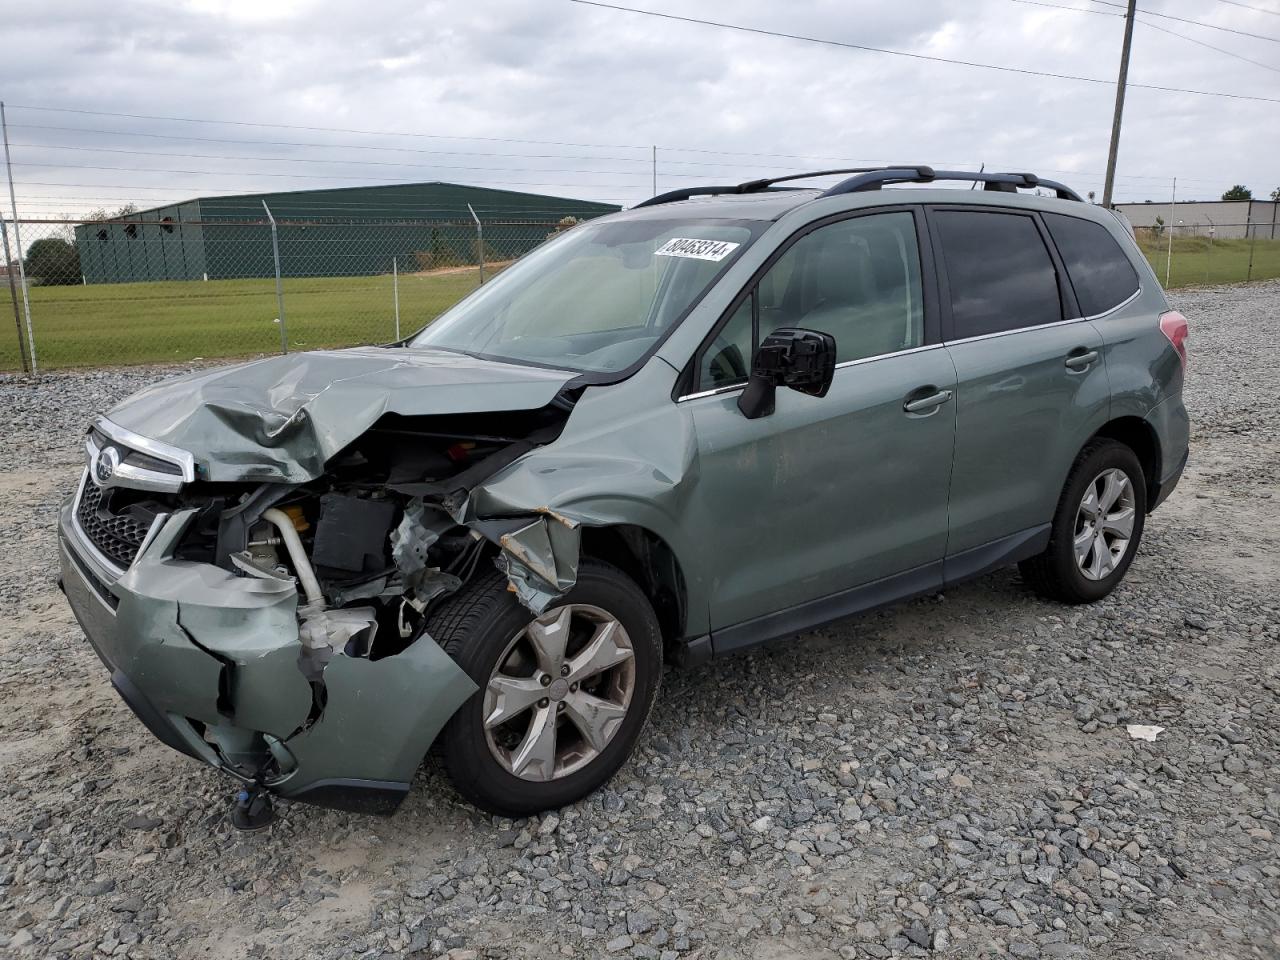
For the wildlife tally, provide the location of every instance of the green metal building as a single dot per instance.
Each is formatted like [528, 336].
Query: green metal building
[351, 231]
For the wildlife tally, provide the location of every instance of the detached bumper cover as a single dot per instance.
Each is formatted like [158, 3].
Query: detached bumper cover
[209, 663]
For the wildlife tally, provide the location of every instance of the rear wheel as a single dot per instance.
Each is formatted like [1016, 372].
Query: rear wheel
[1096, 529]
[563, 696]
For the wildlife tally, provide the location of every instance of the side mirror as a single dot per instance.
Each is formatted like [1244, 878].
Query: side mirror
[803, 360]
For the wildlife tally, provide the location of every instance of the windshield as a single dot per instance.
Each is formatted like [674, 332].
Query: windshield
[596, 299]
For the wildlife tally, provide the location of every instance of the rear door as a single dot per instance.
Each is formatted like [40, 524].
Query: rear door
[1031, 382]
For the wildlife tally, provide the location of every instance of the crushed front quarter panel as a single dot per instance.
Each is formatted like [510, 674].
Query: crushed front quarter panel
[541, 559]
[621, 460]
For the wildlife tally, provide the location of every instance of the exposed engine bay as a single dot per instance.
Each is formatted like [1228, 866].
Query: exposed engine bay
[380, 537]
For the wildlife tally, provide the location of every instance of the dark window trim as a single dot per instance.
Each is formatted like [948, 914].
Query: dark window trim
[1127, 259]
[686, 384]
[1069, 310]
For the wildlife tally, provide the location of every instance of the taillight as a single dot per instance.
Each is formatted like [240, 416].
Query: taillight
[1174, 326]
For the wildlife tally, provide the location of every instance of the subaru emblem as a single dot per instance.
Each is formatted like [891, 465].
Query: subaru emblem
[104, 467]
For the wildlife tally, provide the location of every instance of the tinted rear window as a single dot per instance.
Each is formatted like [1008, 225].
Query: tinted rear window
[1100, 272]
[1000, 273]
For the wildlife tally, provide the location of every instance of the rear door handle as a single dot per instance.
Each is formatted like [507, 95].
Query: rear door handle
[1078, 361]
[930, 402]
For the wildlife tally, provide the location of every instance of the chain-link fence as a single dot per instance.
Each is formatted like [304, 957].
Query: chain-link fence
[135, 291]
[1197, 254]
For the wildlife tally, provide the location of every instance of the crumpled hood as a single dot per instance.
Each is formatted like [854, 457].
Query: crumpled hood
[283, 418]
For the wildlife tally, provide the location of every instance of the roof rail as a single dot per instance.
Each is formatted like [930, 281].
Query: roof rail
[1008, 182]
[684, 194]
[751, 186]
[872, 178]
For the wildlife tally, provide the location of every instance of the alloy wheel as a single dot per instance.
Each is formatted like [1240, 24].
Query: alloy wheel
[559, 693]
[1104, 524]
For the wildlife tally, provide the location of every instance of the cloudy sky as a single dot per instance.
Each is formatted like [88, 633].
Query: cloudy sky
[563, 98]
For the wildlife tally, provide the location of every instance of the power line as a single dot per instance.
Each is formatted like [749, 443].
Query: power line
[381, 163]
[666, 150]
[1237, 3]
[1166, 16]
[1228, 53]
[1055, 6]
[291, 126]
[400, 181]
[918, 56]
[318, 176]
[323, 146]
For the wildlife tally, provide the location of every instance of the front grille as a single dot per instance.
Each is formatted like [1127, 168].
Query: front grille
[135, 458]
[118, 537]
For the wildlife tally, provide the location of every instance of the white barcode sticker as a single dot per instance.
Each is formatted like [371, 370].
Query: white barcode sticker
[696, 249]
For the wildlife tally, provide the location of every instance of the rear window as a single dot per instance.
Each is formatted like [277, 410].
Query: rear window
[1100, 272]
[999, 270]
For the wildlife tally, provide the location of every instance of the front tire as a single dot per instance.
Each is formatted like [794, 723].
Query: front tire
[1096, 529]
[563, 697]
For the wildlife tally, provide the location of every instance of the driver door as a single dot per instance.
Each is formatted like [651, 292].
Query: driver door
[798, 510]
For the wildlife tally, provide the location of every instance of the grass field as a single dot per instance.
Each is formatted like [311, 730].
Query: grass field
[1197, 262]
[130, 323]
[176, 321]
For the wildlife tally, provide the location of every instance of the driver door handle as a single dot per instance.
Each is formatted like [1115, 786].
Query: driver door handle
[927, 403]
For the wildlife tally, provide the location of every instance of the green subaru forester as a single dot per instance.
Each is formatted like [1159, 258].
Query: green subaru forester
[726, 416]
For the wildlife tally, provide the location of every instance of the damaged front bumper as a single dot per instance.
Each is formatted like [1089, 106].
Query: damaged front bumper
[209, 661]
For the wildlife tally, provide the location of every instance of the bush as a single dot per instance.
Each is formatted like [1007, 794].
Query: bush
[51, 261]
[458, 253]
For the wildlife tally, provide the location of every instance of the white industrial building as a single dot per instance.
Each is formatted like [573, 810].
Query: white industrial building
[1221, 219]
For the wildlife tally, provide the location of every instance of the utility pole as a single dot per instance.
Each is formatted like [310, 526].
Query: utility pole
[1121, 82]
[13, 294]
[17, 239]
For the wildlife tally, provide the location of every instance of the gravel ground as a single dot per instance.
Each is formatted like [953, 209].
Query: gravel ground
[950, 777]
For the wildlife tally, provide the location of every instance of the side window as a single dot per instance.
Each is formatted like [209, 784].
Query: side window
[1100, 273]
[858, 280]
[727, 359]
[1000, 273]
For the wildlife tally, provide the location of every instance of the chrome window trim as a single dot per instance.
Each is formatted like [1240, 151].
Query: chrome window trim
[881, 356]
[728, 388]
[1006, 333]
[1045, 326]
[126, 475]
[839, 366]
[87, 546]
[1123, 303]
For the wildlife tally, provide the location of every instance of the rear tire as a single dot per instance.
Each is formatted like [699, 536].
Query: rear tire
[501, 767]
[1096, 528]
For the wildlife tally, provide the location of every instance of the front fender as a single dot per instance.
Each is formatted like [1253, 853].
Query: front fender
[628, 455]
